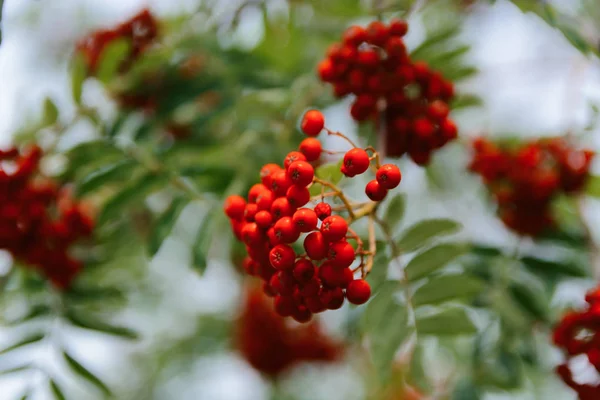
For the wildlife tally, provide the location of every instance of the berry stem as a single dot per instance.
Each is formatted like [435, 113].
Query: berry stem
[372, 247]
[337, 192]
[375, 157]
[368, 209]
[339, 134]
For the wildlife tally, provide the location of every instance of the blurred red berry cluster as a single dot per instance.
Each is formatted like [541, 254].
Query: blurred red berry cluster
[140, 31]
[271, 344]
[525, 179]
[408, 97]
[39, 221]
[578, 333]
[275, 222]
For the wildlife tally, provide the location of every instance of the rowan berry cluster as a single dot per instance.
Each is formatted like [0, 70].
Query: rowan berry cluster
[38, 221]
[271, 345]
[408, 97]
[525, 179]
[578, 333]
[278, 219]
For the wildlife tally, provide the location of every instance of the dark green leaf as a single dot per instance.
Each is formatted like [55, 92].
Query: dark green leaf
[117, 125]
[433, 259]
[78, 75]
[532, 298]
[120, 171]
[456, 74]
[164, 225]
[564, 267]
[56, 390]
[50, 112]
[95, 293]
[451, 321]
[113, 56]
[466, 390]
[422, 232]
[395, 211]
[100, 326]
[446, 288]
[36, 337]
[86, 374]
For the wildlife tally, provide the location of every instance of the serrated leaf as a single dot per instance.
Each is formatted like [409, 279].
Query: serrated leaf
[78, 75]
[50, 112]
[100, 326]
[433, 259]
[446, 288]
[23, 342]
[133, 193]
[56, 390]
[422, 232]
[395, 211]
[120, 171]
[86, 374]
[164, 225]
[465, 101]
[448, 322]
[112, 57]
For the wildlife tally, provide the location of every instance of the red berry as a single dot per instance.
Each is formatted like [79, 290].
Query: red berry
[326, 72]
[311, 148]
[330, 275]
[263, 219]
[388, 176]
[268, 290]
[282, 208]
[305, 220]
[395, 47]
[368, 59]
[315, 246]
[314, 304]
[266, 172]
[377, 33]
[304, 270]
[332, 298]
[286, 231]
[312, 123]
[298, 195]
[255, 191]
[356, 161]
[358, 291]
[448, 129]
[311, 288]
[302, 314]
[341, 254]
[334, 228]
[280, 183]
[264, 200]
[423, 128]
[301, 173]
[251, 234]
[284, 305]
[438, 110]
[323, 210]
[250, 211]
[354, 36]
[398, 27]
[282, 257]
[375, 191]
[348, 277]
[234, 207]
[291, 157]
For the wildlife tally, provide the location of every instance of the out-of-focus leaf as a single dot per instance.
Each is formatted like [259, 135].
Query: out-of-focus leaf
[529, 292]
[89, 156]
[36, 337]
[395, 211]
[118, 172]
[565, 268]
[446, 288]
[100, 326]
[35, 311]
[78, 74]
[104, 294]
[378, 274]
[330, 173]
[422, 232]
[448, 322]
[466, 390]
[56, 390]
[112, 57]
[50, 112]
[438, 38]
[433, 259]
[465, 101]
[86, 374]
[417, 375]
[13, 370]
[117, 125]
[202, 243]
[592, 187]
[164, 225]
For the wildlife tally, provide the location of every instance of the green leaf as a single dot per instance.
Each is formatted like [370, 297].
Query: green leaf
[592, 187]
[133, 193]
[120, 171]
[56, 390]
[100, 326]
[78, 75]
[422, 232]
[562, 267]
[417, 376]
[466, 390]
[86, 374]
[448, 322]
[115, 128]
[465, 101]
[330, 172]
[164, 225]
[50, 112]
[433, 259]
[203, 242]
[35, 311]
[439, 38]
[36, 337]
[374, 315]
[395, 211]
[112, 58]
[95, 293]
[13, 370]
[378, 274]
[446, 288]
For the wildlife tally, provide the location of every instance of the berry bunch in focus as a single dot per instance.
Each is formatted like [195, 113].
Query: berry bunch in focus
[578, 333]
[302, 247]
[408, 97]
[524, 180]
[38, 221]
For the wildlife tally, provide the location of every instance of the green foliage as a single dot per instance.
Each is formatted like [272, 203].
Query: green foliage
[86, 374]
[395, 211]
[447, 287]
[56, 390]
[164, 224]
[432, 260]
[78, 74]
[419, 234]
[447, 322]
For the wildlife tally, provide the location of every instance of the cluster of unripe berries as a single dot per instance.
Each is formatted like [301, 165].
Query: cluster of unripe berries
[578, 333]
[408, 97]
[276, 222]
[38, 221]
[524, 179]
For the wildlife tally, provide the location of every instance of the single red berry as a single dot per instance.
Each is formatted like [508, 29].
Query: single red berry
[395, 46]
[348, 277]
[354, 36]
[291, 157]
[304, 270]
[298, 195]
[234, 207]
[332, 276]
[423, 128]
[302, 314]
[398, 27]
[282, 257]
[311, 148]
[358, 291]
[341, 254]
[263, 219]
[250, 211]
[334, 228]
[301, 173]
[268, 290]
[356, 161]
[326, 71]
[312, 123]
[266, 172]
[314, 304]
[368, 59]
[375, 191]
[264, 200]
[282, 208]
[323, 210]
[251, 234]
[438, 110]
[420, 157]
[315, 246]
[305, 220]
[332, 298]
[377, 33]
[255, 191]
[388, 176]
[448, 129]
[284, 305]
[280, 183]
[286, 231]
